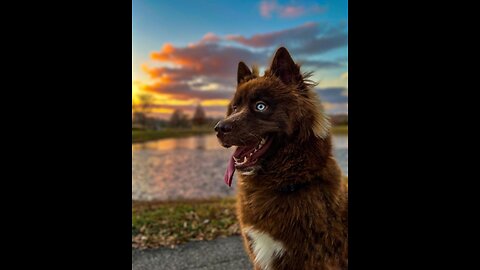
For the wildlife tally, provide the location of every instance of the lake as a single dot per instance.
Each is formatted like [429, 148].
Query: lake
[192, 168]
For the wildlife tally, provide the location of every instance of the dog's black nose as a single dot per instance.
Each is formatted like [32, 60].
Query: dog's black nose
[223, 127]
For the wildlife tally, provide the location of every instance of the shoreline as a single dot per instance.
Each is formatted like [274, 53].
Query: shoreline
[141, 136]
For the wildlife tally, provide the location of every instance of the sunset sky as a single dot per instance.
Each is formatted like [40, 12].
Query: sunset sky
[187, 52]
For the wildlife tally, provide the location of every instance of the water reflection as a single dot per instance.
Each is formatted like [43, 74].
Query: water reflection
[191, 167]
[204, 142]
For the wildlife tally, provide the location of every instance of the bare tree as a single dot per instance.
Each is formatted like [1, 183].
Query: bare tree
[142, 109]
[199, 117]
[179, 119]
[146, 103]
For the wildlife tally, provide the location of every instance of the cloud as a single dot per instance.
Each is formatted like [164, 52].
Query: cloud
[309, 38]
[270, 7]
[267, 8]
[203, 59]
[323, 44]
[333, 95]
[296, 34]
[291, 11]
[209, 37]
[205, 71]
[335, 108]
[201, 71]
[321, 64]
[183, 91]
[334, 99]
[189, 108]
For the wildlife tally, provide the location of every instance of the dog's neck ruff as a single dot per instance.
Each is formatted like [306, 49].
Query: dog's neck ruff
[291, 188]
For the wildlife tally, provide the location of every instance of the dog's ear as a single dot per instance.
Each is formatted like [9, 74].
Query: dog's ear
[243, 72]
[284, 68]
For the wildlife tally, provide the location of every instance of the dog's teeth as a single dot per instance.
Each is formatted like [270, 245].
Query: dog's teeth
[251, 154]
[250, 172]
[261, 144]
[255, 150]
[236, 159]
[243, 162]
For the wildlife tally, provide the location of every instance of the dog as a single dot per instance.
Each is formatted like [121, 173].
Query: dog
[292, 204]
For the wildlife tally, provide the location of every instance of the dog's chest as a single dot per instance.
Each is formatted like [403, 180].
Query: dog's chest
[264, 247]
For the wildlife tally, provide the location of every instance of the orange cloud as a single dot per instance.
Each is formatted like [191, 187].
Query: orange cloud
[205, 71]
[182, 91]
[167, 54]
[204, 59]
[168, 48]
[215, 102]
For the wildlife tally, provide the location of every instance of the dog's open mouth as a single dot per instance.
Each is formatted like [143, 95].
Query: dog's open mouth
[245, 157]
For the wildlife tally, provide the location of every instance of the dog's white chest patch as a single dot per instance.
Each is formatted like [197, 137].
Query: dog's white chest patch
[265, 248]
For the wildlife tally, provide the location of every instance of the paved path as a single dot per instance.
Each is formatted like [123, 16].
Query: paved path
[219, 254]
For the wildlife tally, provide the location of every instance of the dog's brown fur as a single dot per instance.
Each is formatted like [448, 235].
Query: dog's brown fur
[296, 195]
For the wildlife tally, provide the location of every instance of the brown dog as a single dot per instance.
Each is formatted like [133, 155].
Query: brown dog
[292, 203]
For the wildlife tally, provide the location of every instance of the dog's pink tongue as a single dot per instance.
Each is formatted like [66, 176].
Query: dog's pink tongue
[229, 172]
[231, 165]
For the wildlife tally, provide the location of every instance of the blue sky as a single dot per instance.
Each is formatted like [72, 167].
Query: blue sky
[180, 30]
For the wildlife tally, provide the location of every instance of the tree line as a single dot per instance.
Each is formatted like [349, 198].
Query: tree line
[178, 119]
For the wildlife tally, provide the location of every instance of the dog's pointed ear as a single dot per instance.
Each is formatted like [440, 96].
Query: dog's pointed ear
[243, 72]
[285, 68]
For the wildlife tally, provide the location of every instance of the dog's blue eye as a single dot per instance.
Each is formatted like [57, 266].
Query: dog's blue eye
[260, 106]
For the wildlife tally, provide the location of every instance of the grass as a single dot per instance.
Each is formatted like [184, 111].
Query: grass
[157, 224]
[147, 135]
[343, 129]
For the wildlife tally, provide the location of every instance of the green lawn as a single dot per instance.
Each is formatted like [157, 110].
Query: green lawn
[147, 135]
[343, 129]
[172, 223]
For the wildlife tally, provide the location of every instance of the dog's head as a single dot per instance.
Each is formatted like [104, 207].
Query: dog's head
[279, 104]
